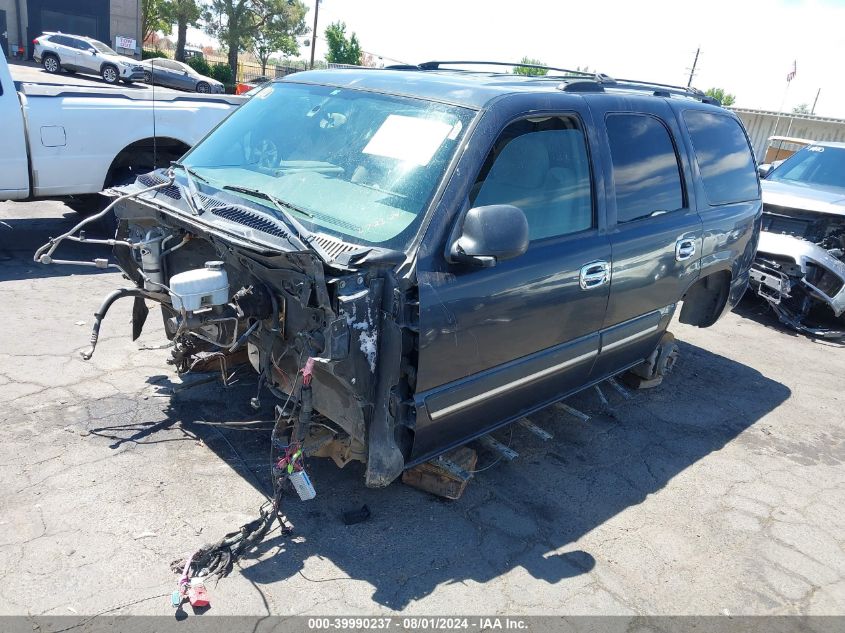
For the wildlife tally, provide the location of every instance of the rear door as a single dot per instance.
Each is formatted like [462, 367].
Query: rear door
[656, 231]
[496, 343]
[66, 50]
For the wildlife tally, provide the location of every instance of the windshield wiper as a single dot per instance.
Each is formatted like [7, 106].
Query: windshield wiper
[285, 208]
[190, 175]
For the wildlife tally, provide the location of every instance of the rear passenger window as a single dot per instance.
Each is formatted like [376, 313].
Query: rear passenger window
[541, 166]
[646, 171]
[723, 156]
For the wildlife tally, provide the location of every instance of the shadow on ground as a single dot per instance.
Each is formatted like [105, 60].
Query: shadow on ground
[524, 514]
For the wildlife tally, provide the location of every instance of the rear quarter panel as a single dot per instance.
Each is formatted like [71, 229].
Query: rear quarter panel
[731, 231]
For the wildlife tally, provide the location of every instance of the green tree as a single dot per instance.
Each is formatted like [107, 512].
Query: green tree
[530, 72]
[727, 99]
[236, 23]
[342, 50]
[183, 13]
[153, 18]
[802, 108]
[278, 33]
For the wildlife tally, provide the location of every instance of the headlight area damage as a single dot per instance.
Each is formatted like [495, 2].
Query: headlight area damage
[800, 269]
[334, 337]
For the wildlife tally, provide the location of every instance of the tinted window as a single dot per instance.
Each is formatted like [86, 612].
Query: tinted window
[61, 40]
[541, 166]
[723, 156]
[80, 44]
[645, 167]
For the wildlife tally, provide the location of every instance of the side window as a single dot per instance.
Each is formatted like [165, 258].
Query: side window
[541, 166]
[646, 172]
[60, 40]
[80, 45]
[723, 156]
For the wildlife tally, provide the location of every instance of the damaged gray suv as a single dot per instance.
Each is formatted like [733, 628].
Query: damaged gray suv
[414, 257]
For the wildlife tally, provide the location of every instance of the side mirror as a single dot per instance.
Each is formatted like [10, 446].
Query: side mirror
[93, 51]
[489, 234]
[765, 169]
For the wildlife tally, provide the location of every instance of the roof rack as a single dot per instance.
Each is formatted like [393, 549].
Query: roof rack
[435, 65]
[582, 81]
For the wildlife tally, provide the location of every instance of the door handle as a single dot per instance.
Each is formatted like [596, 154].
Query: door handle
[594, 275]
[684, 249]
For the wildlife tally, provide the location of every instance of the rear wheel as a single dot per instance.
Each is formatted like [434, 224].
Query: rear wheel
[109, 74]
[51, 64]
[148, 77]
[203, 87]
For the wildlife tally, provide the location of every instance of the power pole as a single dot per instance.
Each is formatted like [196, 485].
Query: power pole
[815, 101]
[314, 32]
[694, 63]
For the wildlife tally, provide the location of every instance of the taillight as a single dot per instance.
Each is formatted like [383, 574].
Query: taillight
[35, 41]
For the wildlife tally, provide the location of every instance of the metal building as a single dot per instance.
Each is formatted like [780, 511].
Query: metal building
[761, 125]
[115, 22]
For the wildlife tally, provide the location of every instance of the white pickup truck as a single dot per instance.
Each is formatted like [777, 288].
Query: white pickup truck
[71, 142]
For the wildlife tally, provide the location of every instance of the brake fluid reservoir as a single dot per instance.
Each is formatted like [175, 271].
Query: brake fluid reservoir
[200, 288]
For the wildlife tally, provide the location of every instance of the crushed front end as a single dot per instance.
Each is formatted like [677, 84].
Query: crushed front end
[286, 238]
[800, 269]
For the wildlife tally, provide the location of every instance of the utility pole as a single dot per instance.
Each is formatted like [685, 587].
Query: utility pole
[314, 32]
[815, 101]
[694, 63]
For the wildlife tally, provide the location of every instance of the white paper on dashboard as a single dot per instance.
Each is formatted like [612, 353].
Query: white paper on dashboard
[409, 139]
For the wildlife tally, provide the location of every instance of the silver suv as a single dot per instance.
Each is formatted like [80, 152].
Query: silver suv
[77, 53]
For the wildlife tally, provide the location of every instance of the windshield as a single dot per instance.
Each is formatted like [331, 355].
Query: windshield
[361, 165]
[814, 165]
[101, 48]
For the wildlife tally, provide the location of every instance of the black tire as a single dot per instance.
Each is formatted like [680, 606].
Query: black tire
[110, 74]
[203, 87]
[51, 64]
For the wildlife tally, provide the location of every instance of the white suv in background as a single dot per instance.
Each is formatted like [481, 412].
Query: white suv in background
[77, 53]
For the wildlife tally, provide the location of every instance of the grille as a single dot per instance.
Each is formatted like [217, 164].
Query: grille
[153, 179]
[248, 219]
[334, 247]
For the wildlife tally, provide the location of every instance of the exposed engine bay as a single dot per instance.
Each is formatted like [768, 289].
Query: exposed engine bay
[800, 269]
[336, 339]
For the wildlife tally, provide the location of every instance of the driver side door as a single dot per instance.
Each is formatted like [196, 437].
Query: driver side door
[497, 343]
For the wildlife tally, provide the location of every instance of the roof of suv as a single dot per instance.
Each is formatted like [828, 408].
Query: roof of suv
[475, 89]
[79, 37]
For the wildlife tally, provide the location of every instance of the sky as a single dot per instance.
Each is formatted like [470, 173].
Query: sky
[747, 46]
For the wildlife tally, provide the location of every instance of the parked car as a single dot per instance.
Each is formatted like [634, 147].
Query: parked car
[77, 53]
[70, 142]
[422, 256]
[800, 264]
[173, 74]
[191, 51]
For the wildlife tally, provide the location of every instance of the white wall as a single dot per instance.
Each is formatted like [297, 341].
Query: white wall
[761, 125]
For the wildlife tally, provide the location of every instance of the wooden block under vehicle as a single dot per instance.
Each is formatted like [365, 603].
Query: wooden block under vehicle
[447, 476]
